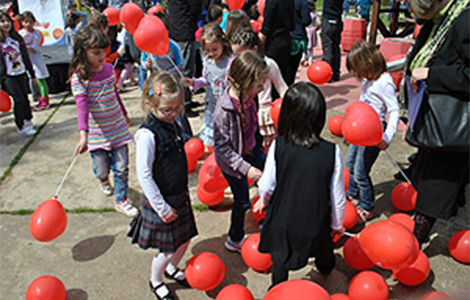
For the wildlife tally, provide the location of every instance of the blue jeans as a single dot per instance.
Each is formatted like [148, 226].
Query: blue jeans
[142, 77]
[359, 162]
[241, 196]
[118, 160]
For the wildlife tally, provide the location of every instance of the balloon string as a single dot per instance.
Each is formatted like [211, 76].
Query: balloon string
[398, 167]
[56, 195]
[177, 70]
[349, 234]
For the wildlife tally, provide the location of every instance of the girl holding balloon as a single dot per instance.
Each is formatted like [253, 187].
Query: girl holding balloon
[166, 221]
[235, 126]
[302, 188]
[368, 65]
[14, 62]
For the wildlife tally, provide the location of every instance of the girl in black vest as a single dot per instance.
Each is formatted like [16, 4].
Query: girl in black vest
[302, 187]
[166, 221]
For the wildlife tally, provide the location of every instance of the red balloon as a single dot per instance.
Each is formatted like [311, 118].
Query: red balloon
[131, 15]
[155, 10]
[48, 221]
[235, 4]
[5, 102]
[276, 110]
[252, 257]
[209, 199]
[205, 271]
[416, 273]
[16, 24]
[46, 288]
[198, 34]
[350, 215]
[319, 72]
[334, 124]
[42, 38]
[346, 178]
[112, 14]
[210, 149]
[152, 36]
[261, 5]
[257, 215]
[368, 285]
[404, 197]
[194, 146]
[355, 257]
[297, 289]
[192, 161]
[256, 26]
[210, 176]
[389, 245]
[435, 296]
[459, 246]
[362, 125]
[340, 297]
[235, 292]
[404, 220]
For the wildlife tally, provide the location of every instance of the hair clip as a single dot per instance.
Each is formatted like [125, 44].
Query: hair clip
[158, 90]
[150, 91]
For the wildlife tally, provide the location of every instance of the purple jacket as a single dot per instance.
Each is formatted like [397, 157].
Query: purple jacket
[228, 145]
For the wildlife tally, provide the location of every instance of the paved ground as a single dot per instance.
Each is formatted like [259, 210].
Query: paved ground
[94, 258]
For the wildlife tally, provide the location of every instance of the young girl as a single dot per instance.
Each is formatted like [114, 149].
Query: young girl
[14, 62]
[214, 75]
[75, 20]
[368, 65]
[32, 39]
[166, 221]
[102, 118]
[246, 39]
[302, 187]
[312, 30]
[235, 125]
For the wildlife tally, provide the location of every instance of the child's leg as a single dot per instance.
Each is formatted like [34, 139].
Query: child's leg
[17, 87]
[241, 203]
[120, 166]
[364, 162]
[175, 260]
[101, 163]
[351, 159]
[279, 275]
[130, 72]
[325, 260]
[43, 88]
[142, 77]
[122, 77]
[34, 90]
[159, 264]
[310, 56]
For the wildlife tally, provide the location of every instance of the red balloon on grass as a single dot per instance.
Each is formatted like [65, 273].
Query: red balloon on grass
[335, 123]
[459, 246]
[5, 102]
[368, 285]
[340, 297]
[152, 36]
[319, 72]
[355, 257]
[235, 4]
[48, 221]
[350, 215]
[257, 215]
[194, 146]
[362, 125]
[210, 176]
[112, 14]
[155, 10]
[404, 220]
[131, 15]
[404, 197]
[235, 292]
[276, 110]
[192, 161]
[389, 245]
[46, 288]
[435, 296]
[416, 273]
[297, 289]
[209, 199]
[252, 257]
[205, 271]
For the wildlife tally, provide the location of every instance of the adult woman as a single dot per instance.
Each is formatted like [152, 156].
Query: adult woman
[440, 59]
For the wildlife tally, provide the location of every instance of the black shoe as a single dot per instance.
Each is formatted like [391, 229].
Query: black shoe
[153, 289]
[182, 282]
[191, 113]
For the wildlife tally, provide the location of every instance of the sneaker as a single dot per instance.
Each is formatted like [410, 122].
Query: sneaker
[126, 208]
[233, 246]
[28, 124]
[354, 200]
[27, 131]
[106, 188]
[364, 215]
[43, 104]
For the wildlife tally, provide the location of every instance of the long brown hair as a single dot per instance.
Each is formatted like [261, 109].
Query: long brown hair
[86, 38]
[13, 34]
[366, 61]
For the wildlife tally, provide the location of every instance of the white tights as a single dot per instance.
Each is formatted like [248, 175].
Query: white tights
[169, 262]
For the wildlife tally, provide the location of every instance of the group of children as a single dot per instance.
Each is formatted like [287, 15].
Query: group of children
[301, 176]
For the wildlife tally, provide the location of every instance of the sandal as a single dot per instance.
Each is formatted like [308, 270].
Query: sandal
[364, 215]
[153, 289]
[182, 282]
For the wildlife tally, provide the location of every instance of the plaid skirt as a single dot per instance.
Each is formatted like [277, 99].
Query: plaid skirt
[149, 231]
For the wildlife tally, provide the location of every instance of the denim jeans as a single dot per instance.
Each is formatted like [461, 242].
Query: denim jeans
[142, 77]
[359, 162]
[241, 196]
[118, 160]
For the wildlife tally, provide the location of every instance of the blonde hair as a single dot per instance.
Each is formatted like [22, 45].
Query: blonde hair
[366, 61]
[213, 33]
[161, 85]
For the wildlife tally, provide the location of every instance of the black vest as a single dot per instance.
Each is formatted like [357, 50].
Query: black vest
[170, 168]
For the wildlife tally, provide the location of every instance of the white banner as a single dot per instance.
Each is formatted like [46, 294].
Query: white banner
[49, 17]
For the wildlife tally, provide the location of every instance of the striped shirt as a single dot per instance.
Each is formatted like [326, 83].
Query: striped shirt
[100, 110]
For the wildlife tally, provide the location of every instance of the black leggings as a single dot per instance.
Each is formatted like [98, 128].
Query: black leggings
[17, 88]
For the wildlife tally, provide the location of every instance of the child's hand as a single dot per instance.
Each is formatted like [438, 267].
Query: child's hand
[170, 217]
[82, 143]
[336, 232]
[259, 206]
[188, 82]
[254, 173]
[149, 63]
[383, 145]
[267, 141]
[417, 75]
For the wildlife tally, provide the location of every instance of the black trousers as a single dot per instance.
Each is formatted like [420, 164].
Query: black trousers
[293, 67]
[17, 88]
[279, 48]
[331, 41]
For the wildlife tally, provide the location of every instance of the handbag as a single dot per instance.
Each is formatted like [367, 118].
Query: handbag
[442, 124]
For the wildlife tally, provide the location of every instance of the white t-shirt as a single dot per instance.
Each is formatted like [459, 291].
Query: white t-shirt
[13, 59]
